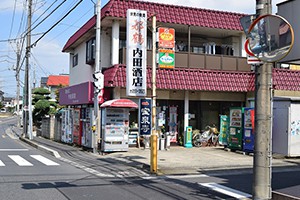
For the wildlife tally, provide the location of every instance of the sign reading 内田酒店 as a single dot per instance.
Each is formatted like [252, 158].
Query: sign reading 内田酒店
[136, 53]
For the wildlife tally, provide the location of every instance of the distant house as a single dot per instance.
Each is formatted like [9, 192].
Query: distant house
[44, 82]
[55, 82]
[8, 102]
[1, 95]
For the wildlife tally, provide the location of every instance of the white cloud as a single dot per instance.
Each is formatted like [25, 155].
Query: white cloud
[50, 58]
[8, 5]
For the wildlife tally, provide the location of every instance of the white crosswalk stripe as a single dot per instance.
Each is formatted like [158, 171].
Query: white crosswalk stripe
[19, 160]
[44, 160]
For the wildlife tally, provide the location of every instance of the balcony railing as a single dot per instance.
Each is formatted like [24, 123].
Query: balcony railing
[198, 60]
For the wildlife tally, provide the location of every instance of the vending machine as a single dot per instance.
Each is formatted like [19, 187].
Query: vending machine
[248, 132]
[66, 126]
[77, 127]
[115, 129]
[223, 136]
[87, 121]
[235, 132]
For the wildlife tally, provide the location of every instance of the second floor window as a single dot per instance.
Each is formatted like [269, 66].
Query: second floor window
[75, 60]
[90, 51]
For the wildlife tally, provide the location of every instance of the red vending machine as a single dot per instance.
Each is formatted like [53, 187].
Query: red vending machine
[77, 126]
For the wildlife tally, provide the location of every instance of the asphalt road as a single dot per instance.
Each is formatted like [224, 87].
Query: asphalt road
[29, 174]
[81, 175]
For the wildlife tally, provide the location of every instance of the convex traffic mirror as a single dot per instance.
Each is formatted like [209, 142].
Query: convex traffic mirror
[271, 38]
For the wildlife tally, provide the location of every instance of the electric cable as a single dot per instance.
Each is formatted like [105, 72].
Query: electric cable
[34, 44]
[13, 19]
[45, 17]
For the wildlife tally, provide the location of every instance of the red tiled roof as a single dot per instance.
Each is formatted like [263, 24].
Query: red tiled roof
[175, 14]
[284, 79]
[187, 79]
[56, 80]
[165, 13]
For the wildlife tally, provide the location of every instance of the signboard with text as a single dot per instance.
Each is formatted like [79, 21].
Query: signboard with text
[136, 53]
[145, 116]
[166, 58]
[166, 38]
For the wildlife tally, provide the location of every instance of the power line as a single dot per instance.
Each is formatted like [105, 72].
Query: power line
[13, 19]
[45, 17]
[45, 11]
[34, 44]
[69, 26]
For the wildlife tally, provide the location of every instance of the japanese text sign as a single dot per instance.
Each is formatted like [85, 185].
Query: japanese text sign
[166, 37]
[145, 116]
[136, 53]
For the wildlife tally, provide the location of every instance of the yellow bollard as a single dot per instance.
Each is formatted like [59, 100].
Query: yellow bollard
[153, 158]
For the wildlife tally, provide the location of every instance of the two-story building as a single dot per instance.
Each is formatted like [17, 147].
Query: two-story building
[211, 73]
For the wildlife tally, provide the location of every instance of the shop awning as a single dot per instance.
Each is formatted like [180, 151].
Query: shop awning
[119, 103]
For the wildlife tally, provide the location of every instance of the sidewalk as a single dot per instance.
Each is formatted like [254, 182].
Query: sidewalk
[176, 160]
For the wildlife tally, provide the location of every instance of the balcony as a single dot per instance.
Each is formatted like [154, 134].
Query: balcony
[199, 60]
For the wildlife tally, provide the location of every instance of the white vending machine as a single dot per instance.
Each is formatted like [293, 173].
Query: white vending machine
[286, 126]
[66, 126]
[115, 128]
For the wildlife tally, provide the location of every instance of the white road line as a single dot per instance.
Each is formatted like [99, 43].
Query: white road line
[1, 164]
[44, 160]
[226, 190]
[187, 176]
[19, 160]
[13, 149]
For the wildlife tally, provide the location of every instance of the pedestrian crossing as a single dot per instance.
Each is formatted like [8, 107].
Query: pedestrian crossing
[20, 161]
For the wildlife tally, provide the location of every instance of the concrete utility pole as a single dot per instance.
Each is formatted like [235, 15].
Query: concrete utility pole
[153, 162]
[26, 82]
[98, 68]
[18, 83]
[263, 121]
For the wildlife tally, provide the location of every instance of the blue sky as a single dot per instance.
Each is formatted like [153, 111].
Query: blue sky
[47, 57]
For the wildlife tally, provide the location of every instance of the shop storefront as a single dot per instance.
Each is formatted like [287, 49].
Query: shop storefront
[78, 115]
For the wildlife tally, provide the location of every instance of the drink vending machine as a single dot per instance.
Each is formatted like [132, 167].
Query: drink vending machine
[223, 136]
[66, 125]
[115, 124]
[77, 126]
[87, 121]
[248, 132]
[235, 133]
[115, 129]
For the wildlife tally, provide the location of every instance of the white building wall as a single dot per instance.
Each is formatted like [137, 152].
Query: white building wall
[290, 11]
[82, 72]
[106, 48]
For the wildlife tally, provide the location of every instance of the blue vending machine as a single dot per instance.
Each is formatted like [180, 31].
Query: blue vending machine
[248, 134]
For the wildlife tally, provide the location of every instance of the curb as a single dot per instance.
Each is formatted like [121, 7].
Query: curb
[40, 147]
[281, 196]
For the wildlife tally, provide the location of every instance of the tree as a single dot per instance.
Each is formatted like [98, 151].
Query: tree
[42, 105]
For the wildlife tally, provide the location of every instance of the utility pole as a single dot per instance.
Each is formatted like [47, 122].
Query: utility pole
[98, 69]
[262, 166]
[153, 162]
[26, 82]
[18, 83]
